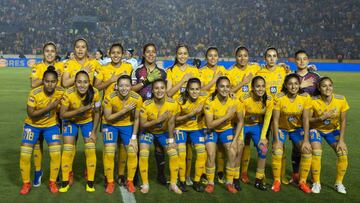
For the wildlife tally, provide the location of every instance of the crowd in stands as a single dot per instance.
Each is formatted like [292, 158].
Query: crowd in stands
[325, 28]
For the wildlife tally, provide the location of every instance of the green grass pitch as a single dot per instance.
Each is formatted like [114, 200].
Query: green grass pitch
[14, 87]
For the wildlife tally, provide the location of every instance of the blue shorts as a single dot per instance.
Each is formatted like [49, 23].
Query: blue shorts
[31, 134]
[295, 136]
[196, 136]
[110, 133]
[149, 138]
[223, 137]
[331, 138]
[71, 129]
[254, 132]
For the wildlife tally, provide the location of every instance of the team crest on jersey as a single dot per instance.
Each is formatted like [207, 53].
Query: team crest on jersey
[279, 76]
[327, 122]
[291, 119]
[252, 118]
[273, 89]
[245, 88]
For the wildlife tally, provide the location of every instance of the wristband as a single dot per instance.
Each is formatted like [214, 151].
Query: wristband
[170, 140]
[146, 82]
[133, 137]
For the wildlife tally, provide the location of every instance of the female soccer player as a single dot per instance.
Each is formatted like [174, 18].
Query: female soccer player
[80, 108]
[121, 119]
[328, 121]
[80, 62]
[220, 110]
[240, 76]
[180, 72]
[144, 76]
[49, 58]
[189, 125]
[41, 109]
[291, 118]
[157, 118]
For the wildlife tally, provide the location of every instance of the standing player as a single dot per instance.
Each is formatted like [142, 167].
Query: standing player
[291, 118]
[80, 108]
[258, 107]
[240, 76]
[308, 84]
[329, 121]
[49, 58]
[42, 106]
[189, 125]
[80, 62]
[129, 58]
[144, 77]
[220, 110]
[157, 118]
[121, 119]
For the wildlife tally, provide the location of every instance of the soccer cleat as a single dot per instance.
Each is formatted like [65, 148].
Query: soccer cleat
[203, 179]
[121, 180]
[221, 177]
[245, 178]
[316, 187]
[109, 188]
[237, 184]
[189, 181]
[198, 187]
[37, 178]
[209, 188]
[162, 179]
[304, 187]
[130, 186]
[25, 189]
[230, 187]
[276, 186]
[260, 184]
[144, 188]
[295, 177]
[174, 188]
[53, 187]
[71, 178]
[182, 186]
[340, 188]
[90, 186]
[65, 186]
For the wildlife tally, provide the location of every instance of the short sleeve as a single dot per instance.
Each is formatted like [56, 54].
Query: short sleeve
[207, 108]
[31, 100]
[345, 106]
[65, 101]
[139, 104]
[308, 103]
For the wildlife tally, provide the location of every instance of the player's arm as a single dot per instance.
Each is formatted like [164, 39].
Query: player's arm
[36, 82]
[267, 119]
[35, 113]
[342, 126]
[96, 117]
[240, 124]
[110, 116]
[101, 85]
[66, 114]
[212, 123]
[67, 81]
[171, 90]
[276, 117]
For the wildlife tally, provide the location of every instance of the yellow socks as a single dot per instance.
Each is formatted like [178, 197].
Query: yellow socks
[305, 165]
[245, 159]
[341, 166]
[210, 173]
[173, 165]
[200, 162]
[260, 173]
[66, 161]
[109, 155]
[276, 163]
[144, 166]
[316, 165]
[55, 159]
[90, 153]
[37, 157]
[122, 160]
[237, 173]
[230, 175]
[25, 158]
[189, 157]
[132, 161]
[182, 162]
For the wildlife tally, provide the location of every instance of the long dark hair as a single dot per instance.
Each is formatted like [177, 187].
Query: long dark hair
[176, 50]
[90, 92]
[144, 50]
[271, 48]
[217, 85]
[185, 95]
[50, 70]
[153, 85]
[101, 53]
[253, 81]
[287, 78]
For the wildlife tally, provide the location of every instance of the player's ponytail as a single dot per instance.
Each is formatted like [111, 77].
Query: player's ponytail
[217, 85]
[50, 70]
[89, 95]
[185, 95]
[264, 97]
